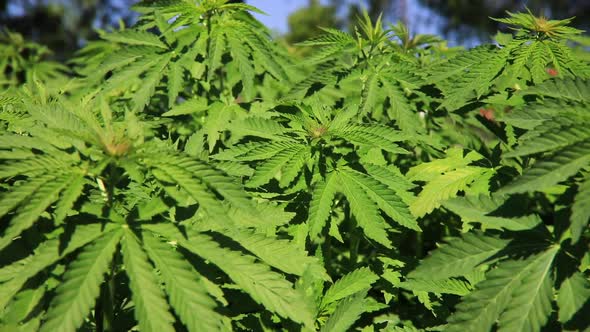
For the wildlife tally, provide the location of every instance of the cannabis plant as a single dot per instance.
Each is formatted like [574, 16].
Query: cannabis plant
[192, 173]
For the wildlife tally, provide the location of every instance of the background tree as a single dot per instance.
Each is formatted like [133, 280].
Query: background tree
[470, 18]
[65, 25]
[305, 23]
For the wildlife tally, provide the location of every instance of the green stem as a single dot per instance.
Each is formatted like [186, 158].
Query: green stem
[105, 306]
[354, 242]
[111, 184]
[208, 42]
[326, 252]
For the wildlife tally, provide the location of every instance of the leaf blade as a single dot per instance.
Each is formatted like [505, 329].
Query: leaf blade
[151, 308]
[81, 285]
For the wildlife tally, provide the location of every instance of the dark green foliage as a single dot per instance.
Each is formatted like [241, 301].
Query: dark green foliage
[189, 173]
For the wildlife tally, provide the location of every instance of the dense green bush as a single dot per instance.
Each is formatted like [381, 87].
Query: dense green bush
[189, 173]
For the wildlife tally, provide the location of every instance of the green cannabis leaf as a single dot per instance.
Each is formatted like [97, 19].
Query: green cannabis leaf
[192, 172]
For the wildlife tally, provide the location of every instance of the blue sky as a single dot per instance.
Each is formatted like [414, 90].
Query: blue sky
[278, 11]
[422, 20]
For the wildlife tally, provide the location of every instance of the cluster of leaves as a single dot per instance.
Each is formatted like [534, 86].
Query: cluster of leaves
[22, 60]
[189, 173]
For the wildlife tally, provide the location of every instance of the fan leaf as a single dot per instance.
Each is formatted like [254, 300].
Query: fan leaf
[77, 294]
[151, 308]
